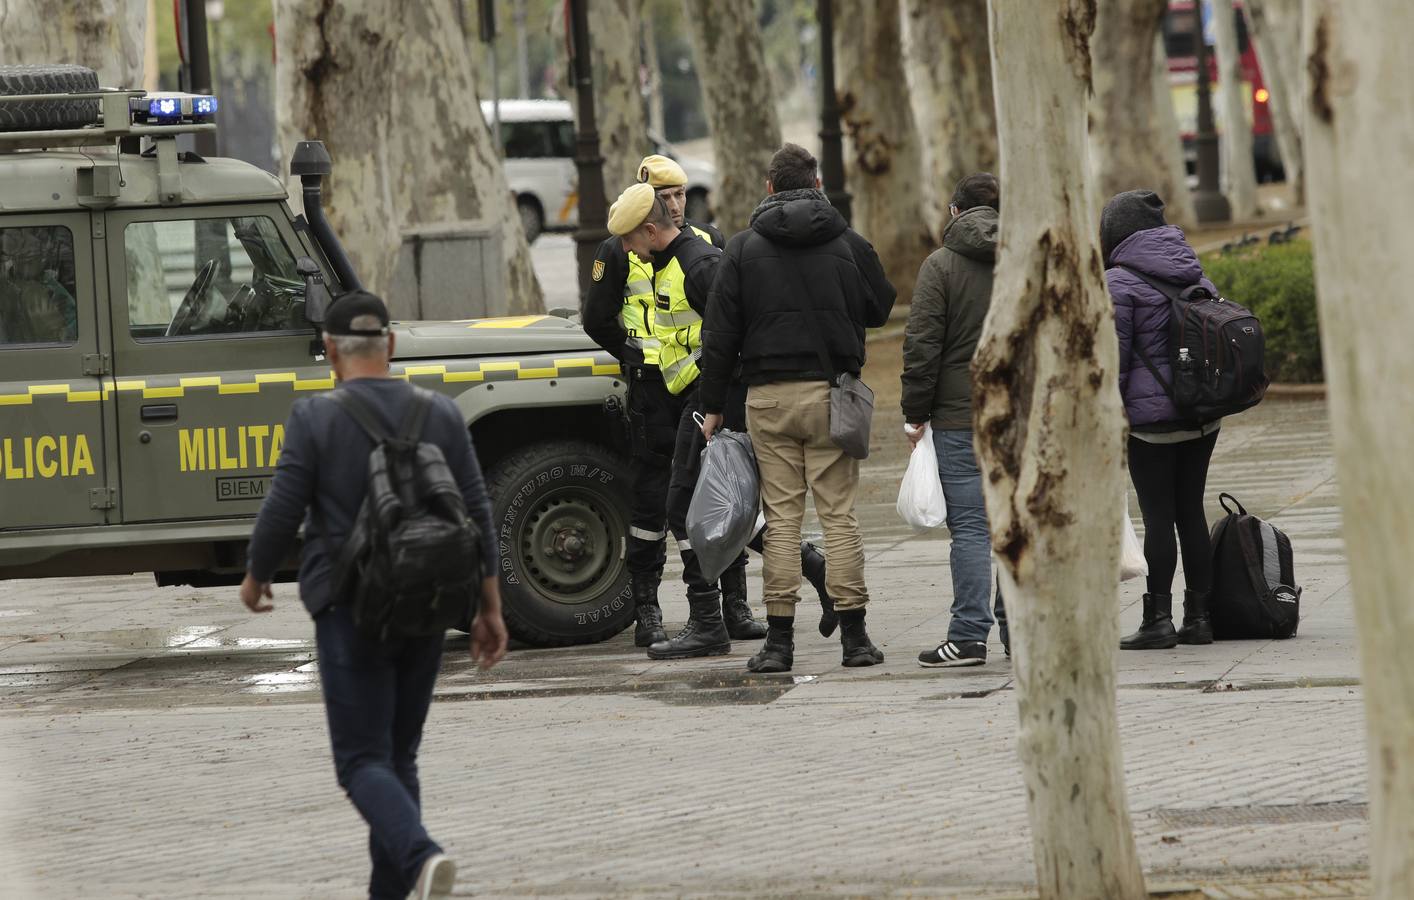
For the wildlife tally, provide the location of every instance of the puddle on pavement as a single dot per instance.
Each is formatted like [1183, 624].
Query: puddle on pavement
[16, 613]
[183, 638]
[303, 678]
[706, 689]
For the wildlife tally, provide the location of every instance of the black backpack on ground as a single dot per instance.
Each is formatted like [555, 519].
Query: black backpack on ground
[1215, 353]
[411, 565]
[1254, 586]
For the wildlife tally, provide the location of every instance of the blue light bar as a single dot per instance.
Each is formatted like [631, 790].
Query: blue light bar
[173, 108]
[164, 108]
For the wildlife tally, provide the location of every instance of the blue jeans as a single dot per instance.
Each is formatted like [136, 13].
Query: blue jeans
[971, 553]
[376, 696]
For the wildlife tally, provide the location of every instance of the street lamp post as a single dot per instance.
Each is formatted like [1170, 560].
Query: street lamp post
[831, 143]
[593, 214]
[1208, 203]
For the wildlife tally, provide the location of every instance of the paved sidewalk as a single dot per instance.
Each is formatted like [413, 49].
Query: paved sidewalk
[162, 743]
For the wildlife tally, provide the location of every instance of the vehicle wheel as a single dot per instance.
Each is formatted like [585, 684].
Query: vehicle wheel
[531, 218]
[561, 511]
[34, 115]
[699, 207]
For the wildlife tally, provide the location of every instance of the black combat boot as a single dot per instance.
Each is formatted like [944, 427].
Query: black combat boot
[812, 564]
[1156, 629]
[736, 612]
[1197, 627]
[778, 653]
[646, 609]
[858, 649]
[704, 634]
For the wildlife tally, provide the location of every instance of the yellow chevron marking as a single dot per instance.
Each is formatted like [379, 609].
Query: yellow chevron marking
[552, 372]
[195, 381]
[425, 370]
[245, 387]
[129, 385]
[274, 377]
[507, 322]
[314, 384]
[84, 396]
[161, 393]
[15, 399]
[459, 377]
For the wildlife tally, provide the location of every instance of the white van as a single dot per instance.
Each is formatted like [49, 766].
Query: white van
[537, 137]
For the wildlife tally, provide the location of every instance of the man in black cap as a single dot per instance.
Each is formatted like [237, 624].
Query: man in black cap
[376, 694]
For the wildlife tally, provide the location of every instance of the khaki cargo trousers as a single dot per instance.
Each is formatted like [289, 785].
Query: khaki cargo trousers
[789, 424]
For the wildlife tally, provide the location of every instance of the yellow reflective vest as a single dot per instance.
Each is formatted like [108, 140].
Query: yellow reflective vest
[679, 329]
[639, 305]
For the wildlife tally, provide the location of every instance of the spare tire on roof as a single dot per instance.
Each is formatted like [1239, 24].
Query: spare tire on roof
[43, 115]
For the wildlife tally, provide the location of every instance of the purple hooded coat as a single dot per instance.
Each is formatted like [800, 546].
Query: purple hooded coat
[1142, 320]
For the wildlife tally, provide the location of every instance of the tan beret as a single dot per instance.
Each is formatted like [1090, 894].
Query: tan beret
[632, 207]
[661, 172]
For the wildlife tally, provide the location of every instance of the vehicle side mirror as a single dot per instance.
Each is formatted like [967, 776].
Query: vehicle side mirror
[316, 292]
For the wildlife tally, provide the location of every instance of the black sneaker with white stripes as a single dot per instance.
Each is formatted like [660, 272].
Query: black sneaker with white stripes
[949, 654]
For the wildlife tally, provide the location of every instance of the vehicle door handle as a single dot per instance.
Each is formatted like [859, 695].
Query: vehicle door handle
[159, 412]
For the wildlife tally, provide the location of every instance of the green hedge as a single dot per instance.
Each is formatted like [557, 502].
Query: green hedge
[1278, 283]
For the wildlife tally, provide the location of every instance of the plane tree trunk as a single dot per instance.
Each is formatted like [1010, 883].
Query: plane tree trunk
[1276, 33]
[741, 108]
[950, 81]
[1133, 132]
[391, 90]
[1360, 124]
[1239, 176]
[1050, 437]
[884, 152]
[618, 96]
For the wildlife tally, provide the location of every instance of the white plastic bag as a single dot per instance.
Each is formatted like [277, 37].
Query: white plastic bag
[1132, 563]
[920, 495]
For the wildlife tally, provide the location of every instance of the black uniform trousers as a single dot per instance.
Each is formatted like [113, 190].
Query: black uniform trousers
[653, 416]
[687, 462]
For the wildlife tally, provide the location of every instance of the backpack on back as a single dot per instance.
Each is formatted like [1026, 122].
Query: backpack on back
[1254, 585]
[411, 565]
[1215, 353]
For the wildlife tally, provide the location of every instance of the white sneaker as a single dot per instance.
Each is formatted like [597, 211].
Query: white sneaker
[436, 878]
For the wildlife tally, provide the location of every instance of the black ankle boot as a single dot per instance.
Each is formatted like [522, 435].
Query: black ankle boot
[704, 634]
[1197, 627]
[812, 564]
[649, 629]
[1156, 630]
[854, 640]
[778, 653]
[736, 612]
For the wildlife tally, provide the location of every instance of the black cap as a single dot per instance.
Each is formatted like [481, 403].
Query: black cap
[351, 305]
[1126, 213]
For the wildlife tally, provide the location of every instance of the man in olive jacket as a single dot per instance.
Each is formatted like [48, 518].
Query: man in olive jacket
[950, 302]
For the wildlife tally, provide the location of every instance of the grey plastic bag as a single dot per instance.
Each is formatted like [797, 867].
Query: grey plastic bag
[723, 514]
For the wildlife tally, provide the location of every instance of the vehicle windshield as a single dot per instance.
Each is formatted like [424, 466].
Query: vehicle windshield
[191, 277]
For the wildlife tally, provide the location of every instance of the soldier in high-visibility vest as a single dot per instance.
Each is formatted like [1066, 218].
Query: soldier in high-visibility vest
[683, 270]
[618, 315]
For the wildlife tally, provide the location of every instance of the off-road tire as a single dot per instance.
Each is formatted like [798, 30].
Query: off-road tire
[563, 481]
[43, 115]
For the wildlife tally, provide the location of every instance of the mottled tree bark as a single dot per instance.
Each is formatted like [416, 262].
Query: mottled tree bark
[1133, 132]
[618, 98]
[1050, 438]
[741, 110]
[1239, 177]
[105, 35]
[1276, 33]
[883, 151]
[950, 80]
[391, 90]
[110, 37]
[1360, 126]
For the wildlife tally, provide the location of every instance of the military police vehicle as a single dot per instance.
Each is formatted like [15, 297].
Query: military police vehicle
[158, 317]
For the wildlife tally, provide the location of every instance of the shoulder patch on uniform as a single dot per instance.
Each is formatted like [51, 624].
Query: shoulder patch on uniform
[598, 272]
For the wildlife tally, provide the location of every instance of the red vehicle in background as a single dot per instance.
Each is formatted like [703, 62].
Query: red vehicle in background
[1181, 30]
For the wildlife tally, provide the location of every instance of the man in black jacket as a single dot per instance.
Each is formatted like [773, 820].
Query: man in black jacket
[376, 694]
[618, 314]
[798, 279]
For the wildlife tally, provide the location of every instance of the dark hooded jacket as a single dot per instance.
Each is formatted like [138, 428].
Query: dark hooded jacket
[950, 302]
[798, 259]
[1142, 320]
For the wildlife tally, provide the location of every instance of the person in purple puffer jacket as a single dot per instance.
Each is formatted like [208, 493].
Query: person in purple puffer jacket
[1168, 454]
